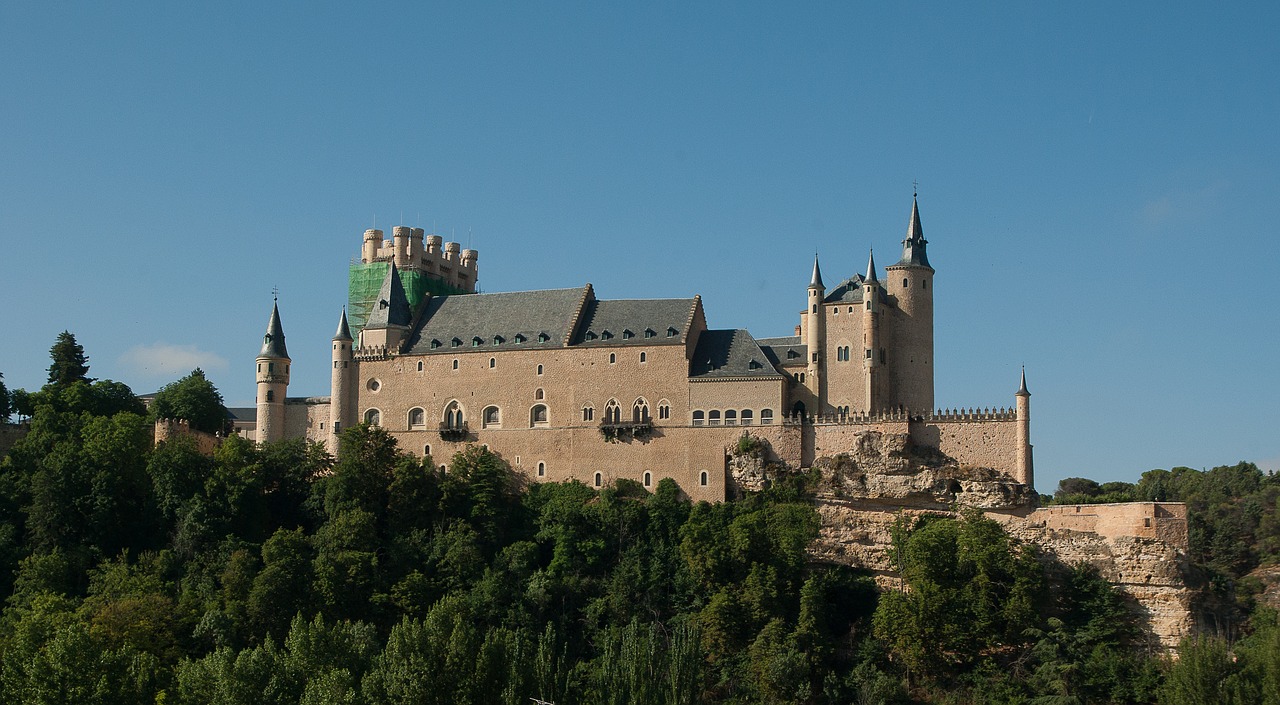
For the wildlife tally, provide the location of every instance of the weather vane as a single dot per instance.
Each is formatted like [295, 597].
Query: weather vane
[915, 188]
[275, 293]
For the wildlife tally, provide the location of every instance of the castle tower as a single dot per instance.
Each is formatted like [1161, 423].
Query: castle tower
[872, 354]
[372, 241]
[342, 384]
[273, 380]
[1025, 471]
[400, 240]
[910, 281]
[389, 320]
[815, 338]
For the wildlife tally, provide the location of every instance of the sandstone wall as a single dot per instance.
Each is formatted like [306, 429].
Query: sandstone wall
[165, 429]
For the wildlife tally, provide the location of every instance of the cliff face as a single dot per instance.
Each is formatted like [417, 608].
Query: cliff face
[1139, 547]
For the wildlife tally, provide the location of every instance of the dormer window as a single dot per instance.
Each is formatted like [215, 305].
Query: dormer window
[792, 354]
[543, 337]
[520, 338]
[476, 341]
[671, 332]
[455, 343]
[628, 335]
[649, 332]
[606, 335]
[591, 335]
[498, 340]
[753, 365]
[435, 344]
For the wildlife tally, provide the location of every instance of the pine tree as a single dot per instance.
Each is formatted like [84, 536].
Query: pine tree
[69, 362]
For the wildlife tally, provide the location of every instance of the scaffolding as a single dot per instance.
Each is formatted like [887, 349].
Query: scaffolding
[364, 281]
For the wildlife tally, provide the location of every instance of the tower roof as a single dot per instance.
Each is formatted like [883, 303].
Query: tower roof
[1022, 388]
[391, 308]
[815, 282]
[913, 246]
[273, 341]
[871, 267]
[344, 331]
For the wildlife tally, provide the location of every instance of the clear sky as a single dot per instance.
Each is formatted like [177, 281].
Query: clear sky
[1098, 184]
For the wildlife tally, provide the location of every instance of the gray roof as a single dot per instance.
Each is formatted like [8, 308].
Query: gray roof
[392, 305]
[730, 353]
[784, 351]
[344, 330]
[243, 414]
[913, 246]
[634, 322]
[273, 341]
[849, 290]
[497, 320]
[815, 282]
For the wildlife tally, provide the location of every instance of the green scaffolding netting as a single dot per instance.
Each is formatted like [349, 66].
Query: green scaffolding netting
[364, 281]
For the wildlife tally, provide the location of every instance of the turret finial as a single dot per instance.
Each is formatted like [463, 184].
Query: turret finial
[815, 282]
[1022, 388]
[273, 341]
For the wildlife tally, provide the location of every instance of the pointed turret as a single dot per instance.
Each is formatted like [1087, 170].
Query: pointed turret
[913, 246]
[392, 305]
[1024, 469]
[815, 282]
[344, 331]
[273, 341]
[1022, 388]
[871, 267]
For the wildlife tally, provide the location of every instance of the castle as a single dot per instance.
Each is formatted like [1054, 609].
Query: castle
[568, 386]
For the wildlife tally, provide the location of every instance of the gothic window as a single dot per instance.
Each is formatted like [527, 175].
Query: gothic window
[640, 411]
[697, 418]
[417, 418]
[453, 415]
[588, 413]
[492, 416]
[538, 415]
[373, 417]
[664, 409]
[613, 412]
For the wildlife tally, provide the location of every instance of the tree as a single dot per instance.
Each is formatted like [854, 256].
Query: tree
[194, 399]
[6, 406]
[69, 362]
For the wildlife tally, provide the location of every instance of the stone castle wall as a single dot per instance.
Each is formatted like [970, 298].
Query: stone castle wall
[166, 429]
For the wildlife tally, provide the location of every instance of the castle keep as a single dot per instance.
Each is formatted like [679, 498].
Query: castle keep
[567, 385]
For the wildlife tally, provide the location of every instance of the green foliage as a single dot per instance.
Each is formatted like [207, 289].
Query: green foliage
[69, 362]
[194, 399]
[6, 402]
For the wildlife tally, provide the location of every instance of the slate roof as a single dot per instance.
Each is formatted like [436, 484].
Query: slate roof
[778, 349]
[243, 414]
[849, 291]
[629, 321]
[730, 353]
[489, 317]
[344, 330]
[273, 341]
[913, 245]
[391, 308]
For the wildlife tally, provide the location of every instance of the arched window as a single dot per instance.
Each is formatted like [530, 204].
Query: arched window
[538, 415]
[588, 413]
[537, 394]
[612, 358]
[417, 418]
[648, 479]
[539, 369]
[642, 357]
[419, 365]
[493, 362]
[373, 417]
[697, 418]
[453, 415]
[713, 417]
[491, 417]
[599, 480]
[702, 478]
[612, 412]
[664, 409]
[455, 364]
[426, 450]
[542, 469]
[745, 417]
[731, 418]
[640, 411]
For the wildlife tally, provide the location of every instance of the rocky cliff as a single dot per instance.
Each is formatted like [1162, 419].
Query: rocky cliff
[1139, 547]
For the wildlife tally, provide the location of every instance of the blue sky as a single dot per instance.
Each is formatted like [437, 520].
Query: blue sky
[1098, 183]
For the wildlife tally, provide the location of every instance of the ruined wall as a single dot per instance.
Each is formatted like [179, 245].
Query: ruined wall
[165, 429]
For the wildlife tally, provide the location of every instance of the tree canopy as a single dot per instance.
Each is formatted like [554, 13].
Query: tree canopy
[194, 399]
[70, 365]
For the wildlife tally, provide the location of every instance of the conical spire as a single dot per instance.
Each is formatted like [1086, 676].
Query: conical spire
[1022, 389]
[344, 331]
[273, 341]
[913, 247]
[871, 267]
[815, 282]
[392, 305]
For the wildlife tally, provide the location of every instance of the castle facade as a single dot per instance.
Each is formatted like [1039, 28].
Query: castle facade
[565, 385]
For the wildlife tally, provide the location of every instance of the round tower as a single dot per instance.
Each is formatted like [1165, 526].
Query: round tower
[400, 241]
[372, 241]
[815, 338]
[341, 383]
[273, 380]
[433, 244]
[415, 246]
[1024, 471]
[910, 281]
[871, 353]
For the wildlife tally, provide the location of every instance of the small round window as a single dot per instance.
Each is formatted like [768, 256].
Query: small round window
[374, 385]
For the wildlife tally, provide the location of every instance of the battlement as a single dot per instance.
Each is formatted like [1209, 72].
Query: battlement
[901, 415]
[412, 250]
[1164, 521]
